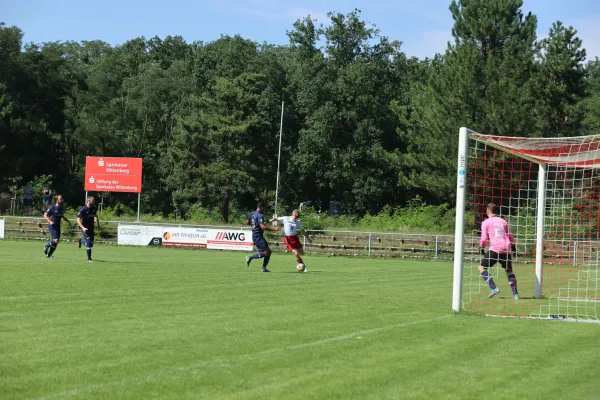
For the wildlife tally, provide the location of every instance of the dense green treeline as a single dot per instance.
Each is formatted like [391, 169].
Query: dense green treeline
[364, 124]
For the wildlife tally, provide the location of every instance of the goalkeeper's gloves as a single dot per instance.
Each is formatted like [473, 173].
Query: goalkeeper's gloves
[482, 251]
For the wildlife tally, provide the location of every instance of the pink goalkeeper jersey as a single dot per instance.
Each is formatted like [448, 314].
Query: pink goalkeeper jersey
[496, 230]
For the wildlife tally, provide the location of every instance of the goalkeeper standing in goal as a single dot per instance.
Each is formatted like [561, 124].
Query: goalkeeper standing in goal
[502, 244]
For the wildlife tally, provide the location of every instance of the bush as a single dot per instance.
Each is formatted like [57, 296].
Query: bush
[5, 200]
[118, 211]
[198, 213]
[312, 220]
[415, 216]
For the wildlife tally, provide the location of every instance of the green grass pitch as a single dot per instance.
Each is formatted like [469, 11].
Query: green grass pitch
[147, 323]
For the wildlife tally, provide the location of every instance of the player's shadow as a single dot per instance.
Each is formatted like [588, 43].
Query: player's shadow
[296, 272]
[114, 262]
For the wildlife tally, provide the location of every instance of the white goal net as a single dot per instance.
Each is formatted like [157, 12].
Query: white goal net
[548, 190]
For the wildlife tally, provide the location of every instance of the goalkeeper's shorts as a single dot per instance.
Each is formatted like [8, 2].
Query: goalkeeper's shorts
[490, 258]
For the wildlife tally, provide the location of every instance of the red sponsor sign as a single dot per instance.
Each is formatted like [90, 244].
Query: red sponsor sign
[113, 174]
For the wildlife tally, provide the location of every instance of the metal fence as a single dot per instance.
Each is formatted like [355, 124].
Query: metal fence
[342, 243]
[379, 244]
[325, 242]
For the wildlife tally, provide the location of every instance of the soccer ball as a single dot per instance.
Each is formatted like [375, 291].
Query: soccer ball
[300, 267]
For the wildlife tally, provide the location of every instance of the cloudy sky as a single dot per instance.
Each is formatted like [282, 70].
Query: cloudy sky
[422, 25]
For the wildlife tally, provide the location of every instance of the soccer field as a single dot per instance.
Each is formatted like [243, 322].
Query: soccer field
[144, 323]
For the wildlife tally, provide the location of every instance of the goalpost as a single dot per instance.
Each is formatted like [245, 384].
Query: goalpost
[549, 192]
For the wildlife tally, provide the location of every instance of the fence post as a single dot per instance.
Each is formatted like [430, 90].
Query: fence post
[575, 253]
[436, 248]
[369, 253]
[304, 239]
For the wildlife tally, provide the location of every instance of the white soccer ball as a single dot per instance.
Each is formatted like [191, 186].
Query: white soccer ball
[300, 267]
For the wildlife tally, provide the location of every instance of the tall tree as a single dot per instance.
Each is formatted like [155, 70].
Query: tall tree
[33, 90]
[560, 83]
[484, 82]
[590, 106]
[212, 151]
[344, 95]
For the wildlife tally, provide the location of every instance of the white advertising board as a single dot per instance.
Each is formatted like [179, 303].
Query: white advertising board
[167, 236]
[1, 229]
[139, 235]
[229, 240]
[184, 237]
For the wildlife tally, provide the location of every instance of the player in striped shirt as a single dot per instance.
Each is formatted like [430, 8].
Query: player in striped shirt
[291, 227]
[502, 244]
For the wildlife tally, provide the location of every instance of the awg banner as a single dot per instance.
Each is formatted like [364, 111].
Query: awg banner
[216, 239]
[229, 240]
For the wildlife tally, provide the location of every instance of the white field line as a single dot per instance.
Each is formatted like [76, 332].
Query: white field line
[126, 291]
[219, 360]
[165, 290]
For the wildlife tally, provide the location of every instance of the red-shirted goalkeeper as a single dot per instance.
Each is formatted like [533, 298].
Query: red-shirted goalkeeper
[291, 227]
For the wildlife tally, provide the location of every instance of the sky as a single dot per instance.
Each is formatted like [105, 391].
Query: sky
[423, 26]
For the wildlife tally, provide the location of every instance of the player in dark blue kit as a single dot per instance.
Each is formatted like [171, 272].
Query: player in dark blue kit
[54, 215]
[85, 220]
[258, 227]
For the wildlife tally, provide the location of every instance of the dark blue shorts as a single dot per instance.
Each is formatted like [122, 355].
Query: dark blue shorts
[261, 243]
[54, 232]
[88, 237]
[490, 258]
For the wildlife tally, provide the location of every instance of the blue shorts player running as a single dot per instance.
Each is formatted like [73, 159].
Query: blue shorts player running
[54, 215]
[85, 220]
[258, 227]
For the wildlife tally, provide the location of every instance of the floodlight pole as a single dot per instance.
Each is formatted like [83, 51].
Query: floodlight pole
[278, 160]
[459, 232]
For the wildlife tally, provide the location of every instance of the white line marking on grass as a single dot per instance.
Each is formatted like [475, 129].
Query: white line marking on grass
[162, 290]
[184, 368]
[128, 291]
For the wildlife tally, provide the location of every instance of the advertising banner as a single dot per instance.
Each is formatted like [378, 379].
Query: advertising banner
[216, 239]
[184, 237]
[139, 235]
[229, 240]
[113, 174]
[1, 229]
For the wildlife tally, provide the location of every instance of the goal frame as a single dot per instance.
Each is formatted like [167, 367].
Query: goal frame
[459, 233]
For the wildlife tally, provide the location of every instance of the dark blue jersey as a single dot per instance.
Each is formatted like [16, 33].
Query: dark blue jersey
[87, 215]
[256, 219]
[56, 214]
